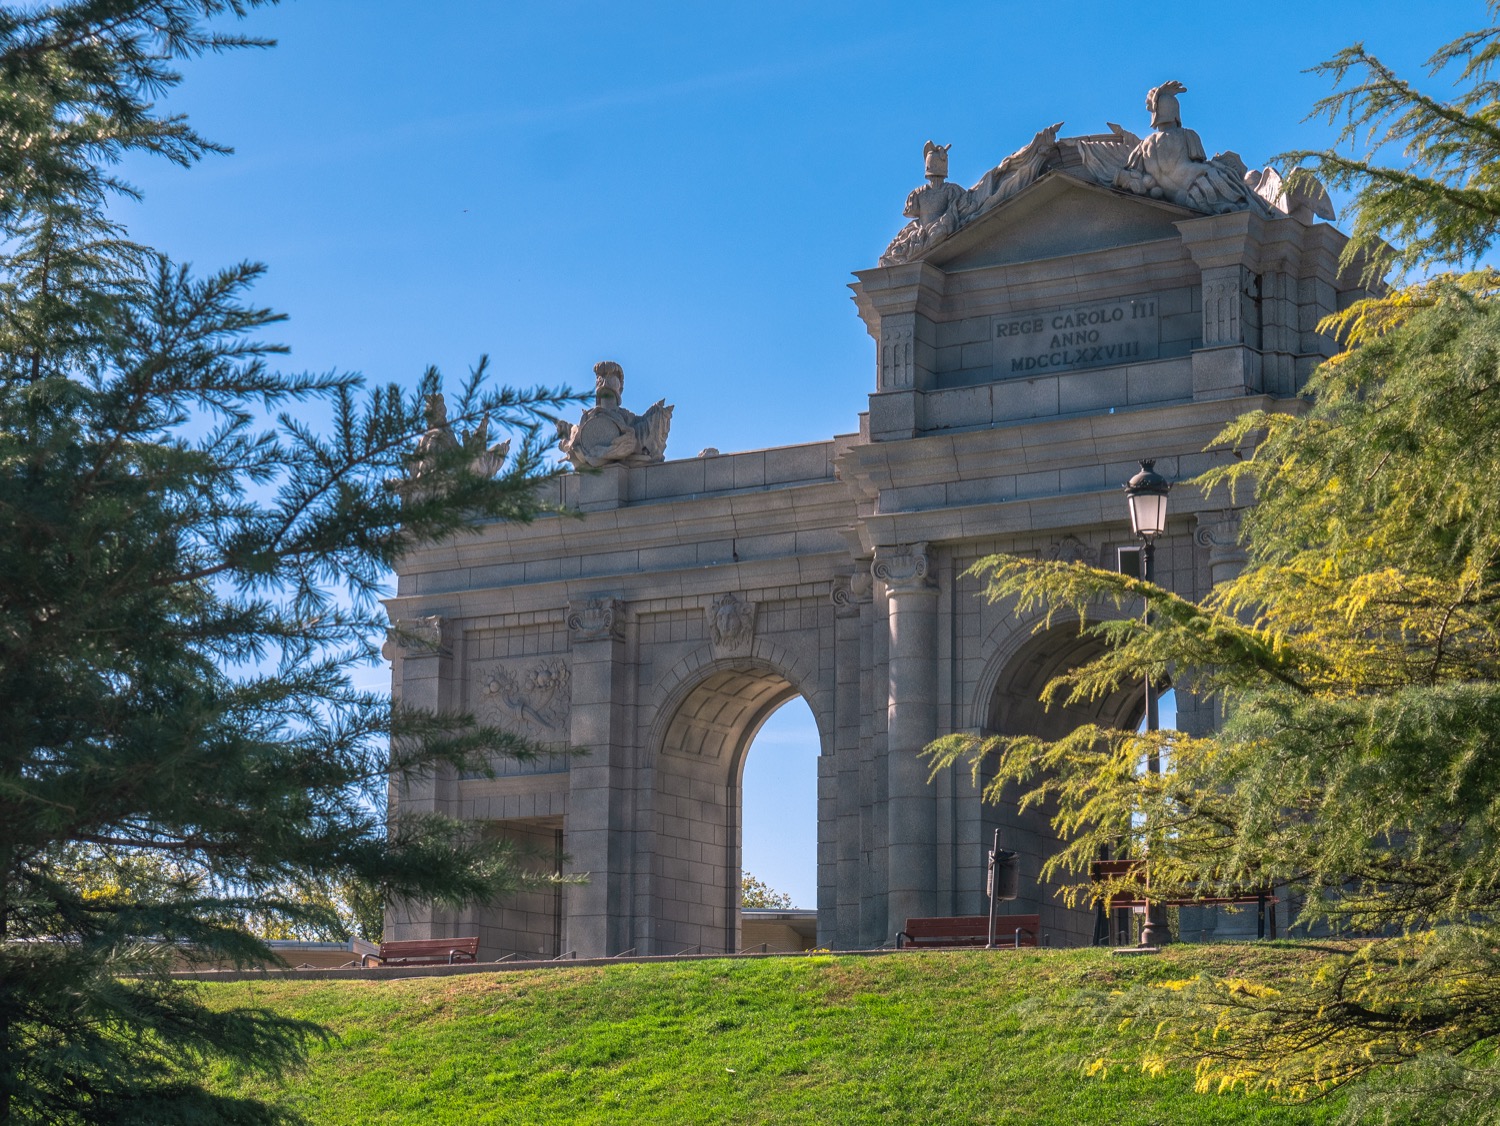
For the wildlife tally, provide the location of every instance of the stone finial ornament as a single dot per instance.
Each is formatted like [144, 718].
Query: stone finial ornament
[608, 434]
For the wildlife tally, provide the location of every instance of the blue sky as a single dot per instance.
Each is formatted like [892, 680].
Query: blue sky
[683, 188]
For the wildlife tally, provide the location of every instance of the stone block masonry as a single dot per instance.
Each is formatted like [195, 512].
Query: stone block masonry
[1034, 337]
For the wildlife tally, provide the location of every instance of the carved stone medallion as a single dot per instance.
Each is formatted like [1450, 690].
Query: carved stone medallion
[731, 625]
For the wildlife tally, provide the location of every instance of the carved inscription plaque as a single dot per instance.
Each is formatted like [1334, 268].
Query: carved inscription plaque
[1086, 335]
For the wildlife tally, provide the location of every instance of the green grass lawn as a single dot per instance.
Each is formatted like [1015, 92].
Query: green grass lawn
[934, 1037]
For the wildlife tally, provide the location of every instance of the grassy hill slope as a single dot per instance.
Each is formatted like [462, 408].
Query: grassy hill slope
[950, 1038]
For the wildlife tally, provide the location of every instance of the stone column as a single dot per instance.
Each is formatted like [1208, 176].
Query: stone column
[911, 710]
[422, 664]
[594, 837]
[1220, 533]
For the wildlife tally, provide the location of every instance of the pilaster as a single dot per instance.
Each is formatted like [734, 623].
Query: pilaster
[853, 603]
[597, 912]
[421, 655]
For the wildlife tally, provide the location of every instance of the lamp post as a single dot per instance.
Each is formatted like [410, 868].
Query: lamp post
[1146, 493]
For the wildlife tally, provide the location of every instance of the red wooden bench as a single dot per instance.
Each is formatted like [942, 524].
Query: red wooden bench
[425, 952]
[971, 930]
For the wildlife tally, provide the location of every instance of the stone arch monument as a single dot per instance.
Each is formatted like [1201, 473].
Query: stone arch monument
[1091, 300]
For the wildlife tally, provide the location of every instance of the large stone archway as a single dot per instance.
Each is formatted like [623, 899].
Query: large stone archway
[1030, 347]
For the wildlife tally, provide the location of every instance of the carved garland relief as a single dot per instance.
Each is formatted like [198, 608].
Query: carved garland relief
[534, 694]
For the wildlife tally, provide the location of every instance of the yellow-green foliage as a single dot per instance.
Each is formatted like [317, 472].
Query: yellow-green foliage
[1356, 659]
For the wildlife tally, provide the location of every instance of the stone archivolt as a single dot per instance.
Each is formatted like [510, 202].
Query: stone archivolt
[1170, 165]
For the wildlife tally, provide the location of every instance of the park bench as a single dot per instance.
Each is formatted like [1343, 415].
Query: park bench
[970, 930]
[425, 952]
[1135, 870]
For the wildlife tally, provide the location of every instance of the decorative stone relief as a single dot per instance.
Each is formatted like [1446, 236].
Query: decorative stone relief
[533, 693]
[897, 368]
[597, 619]
[1221, 310]
[937, 209]
[731, 625]
[1071, 549]
[903, 569]
[850, 592]
[608, 434]
[414, 637]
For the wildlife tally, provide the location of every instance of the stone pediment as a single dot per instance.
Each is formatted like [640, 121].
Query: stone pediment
[1169, 166]
[1056, 216]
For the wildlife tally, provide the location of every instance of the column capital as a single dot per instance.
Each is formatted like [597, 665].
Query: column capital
[599, 618]
[1220, 533]
[850, 592]
[905, 569]
[415, 638]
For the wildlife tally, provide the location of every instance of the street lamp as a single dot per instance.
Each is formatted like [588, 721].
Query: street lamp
[1146, 493]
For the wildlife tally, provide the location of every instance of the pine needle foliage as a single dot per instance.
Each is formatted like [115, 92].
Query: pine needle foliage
[188, 578]
[1356, 663]
[1438, 204]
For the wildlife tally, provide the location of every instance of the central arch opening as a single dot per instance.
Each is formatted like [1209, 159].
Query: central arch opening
[699, 802]
[1015, 708]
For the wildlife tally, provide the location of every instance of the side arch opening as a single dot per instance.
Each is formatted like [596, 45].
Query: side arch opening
[698, 806]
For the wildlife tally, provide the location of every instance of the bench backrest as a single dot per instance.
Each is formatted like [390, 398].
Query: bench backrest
[429, 948]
